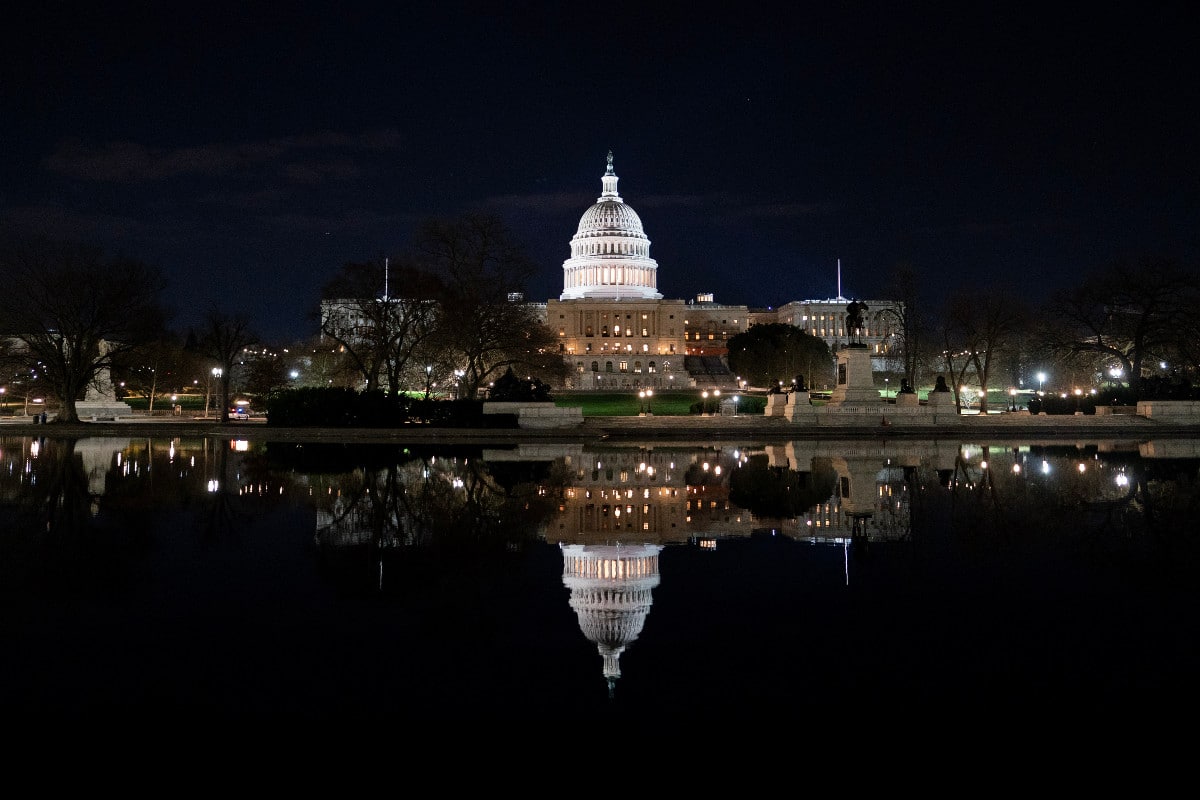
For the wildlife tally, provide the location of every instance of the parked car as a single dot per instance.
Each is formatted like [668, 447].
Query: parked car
[240, 412]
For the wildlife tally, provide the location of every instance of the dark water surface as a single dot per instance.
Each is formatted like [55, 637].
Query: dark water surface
[160, 580]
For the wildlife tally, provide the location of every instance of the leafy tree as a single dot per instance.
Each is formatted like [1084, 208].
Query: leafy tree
[778, 492]
[74, 314]
[484, 324]
[222, 338]
[767, 354]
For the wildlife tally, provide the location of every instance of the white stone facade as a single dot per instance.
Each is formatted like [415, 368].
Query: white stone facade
[616, 331]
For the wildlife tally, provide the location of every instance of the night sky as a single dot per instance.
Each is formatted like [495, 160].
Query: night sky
[251, 149]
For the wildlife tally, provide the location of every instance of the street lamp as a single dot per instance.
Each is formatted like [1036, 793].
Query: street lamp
[217, 372]
[1078, 393]
[1012, 393]
[716, 400]
[1041, 382]
[4, 398]
[735, 402]
[704, 405]
[428, 376]
[649, 394]
[886, 396]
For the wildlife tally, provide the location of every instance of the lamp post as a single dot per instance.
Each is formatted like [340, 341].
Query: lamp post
[428, 377]
[649, 394]
[4, 398]
[716, 400]
[735, 403]
[216, 375]
[1012, 393]
[886, 396]
[641, 402]
[1078, 393]
[704, 404]
[1041, 382]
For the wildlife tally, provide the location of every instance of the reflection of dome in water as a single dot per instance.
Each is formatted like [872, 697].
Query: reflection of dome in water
[610, 253]
[611, 594]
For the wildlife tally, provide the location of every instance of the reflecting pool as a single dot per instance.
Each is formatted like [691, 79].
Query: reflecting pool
[223, 579]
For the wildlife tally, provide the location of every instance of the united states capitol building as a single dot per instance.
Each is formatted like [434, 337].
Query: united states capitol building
[617, 331]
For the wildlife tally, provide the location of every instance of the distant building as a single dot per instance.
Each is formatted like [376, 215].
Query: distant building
[616, 331]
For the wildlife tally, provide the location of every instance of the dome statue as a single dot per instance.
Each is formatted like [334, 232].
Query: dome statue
[610, 253]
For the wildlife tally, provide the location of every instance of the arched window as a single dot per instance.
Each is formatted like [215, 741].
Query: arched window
[608, 366]
[604, 330]
[637, 367]
[579, 366]
[650, 367]
[595, 366]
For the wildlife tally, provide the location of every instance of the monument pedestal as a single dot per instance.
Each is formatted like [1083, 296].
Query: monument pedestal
[101, 401]
[855, 385]
[800, 408]
[776, 405]
[943, 401]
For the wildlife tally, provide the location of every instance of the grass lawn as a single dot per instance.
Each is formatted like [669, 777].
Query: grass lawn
[162, 402]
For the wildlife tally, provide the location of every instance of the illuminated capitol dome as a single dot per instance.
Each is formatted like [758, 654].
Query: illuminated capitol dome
[611, 593]
[610, 254]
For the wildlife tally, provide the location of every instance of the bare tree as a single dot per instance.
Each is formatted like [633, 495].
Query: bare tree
[981, 327]
[222, 338]
[380, 315]
[1130, 313]
[73, 313]
[912, 321]
[485, 325]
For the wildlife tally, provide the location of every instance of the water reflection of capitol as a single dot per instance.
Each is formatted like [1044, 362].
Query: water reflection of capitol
[622, 507]
[611, 510]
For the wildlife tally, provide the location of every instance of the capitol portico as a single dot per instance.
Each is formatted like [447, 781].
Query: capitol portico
[616, 331]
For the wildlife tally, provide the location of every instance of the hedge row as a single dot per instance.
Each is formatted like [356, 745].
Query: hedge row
[349, 408]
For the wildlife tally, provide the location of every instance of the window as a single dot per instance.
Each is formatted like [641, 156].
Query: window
[650, 367]
[595, 366]
[604, 330]
[637, 367]
[624, 366]
[616, 330]
[588, 331]
[608, 366]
